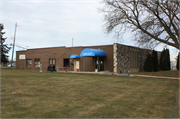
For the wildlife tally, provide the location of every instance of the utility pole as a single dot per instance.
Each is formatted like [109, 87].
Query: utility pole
[13, 45]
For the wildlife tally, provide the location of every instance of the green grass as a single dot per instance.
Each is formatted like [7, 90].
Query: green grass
[172, 73]
[68, 95]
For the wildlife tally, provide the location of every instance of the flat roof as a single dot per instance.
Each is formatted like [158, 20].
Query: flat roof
[82, 47]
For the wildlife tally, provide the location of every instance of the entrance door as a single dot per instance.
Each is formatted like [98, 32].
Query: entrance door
[76, 64]
[99, 63]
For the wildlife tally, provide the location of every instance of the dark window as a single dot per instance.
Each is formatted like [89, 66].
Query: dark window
[37, 62]
[134, 59]
[66, 62]
[29, 63]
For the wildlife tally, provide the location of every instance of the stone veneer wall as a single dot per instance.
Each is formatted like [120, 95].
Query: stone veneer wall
[115, 57]
[121, 58]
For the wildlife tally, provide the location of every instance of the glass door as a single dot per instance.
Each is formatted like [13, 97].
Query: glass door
[99, 63]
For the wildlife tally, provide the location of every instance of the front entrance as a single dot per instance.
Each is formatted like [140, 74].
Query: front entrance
[99, 63]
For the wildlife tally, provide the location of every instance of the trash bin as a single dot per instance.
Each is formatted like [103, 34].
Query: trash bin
[49, 69]
[53, 68]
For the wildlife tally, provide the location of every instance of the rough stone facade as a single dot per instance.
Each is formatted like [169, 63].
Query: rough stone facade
[122, 62]
[115, 57]
[121, 58]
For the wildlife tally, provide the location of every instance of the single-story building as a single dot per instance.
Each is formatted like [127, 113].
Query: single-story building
[115, 58]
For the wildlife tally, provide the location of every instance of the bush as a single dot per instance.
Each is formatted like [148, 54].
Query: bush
[148, 64]
[165, 60]
[155, 61]
[161, 65]
[168, 60]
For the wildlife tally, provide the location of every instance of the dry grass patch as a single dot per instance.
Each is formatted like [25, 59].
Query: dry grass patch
[67, 95]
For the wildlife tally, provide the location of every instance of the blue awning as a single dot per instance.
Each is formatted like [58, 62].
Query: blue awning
[74, 56]
[92, 52]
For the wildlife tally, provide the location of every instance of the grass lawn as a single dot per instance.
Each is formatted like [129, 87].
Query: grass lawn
[68, 95]
[172, 73]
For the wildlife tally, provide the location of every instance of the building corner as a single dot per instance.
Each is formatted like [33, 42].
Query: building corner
[115, 57]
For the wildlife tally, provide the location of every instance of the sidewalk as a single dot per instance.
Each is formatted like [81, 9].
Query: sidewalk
[131, 75]
[86, 72]
[154, 76]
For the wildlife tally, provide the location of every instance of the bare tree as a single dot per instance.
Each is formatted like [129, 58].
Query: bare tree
[151, 21]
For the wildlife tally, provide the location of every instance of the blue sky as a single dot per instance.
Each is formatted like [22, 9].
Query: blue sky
[51, 23]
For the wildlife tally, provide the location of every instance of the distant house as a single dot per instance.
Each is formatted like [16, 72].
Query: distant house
[173, 63]
[115, 58]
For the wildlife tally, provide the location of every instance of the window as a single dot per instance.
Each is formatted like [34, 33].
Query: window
[37, 62]
[66, 62]
[28, 62]
[22, 56]
[52, 61]
[134, 59]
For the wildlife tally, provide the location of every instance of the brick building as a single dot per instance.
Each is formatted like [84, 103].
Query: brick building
[115, 58]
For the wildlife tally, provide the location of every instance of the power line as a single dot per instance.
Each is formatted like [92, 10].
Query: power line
[19, 46]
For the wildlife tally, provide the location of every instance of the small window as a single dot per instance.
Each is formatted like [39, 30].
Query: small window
[28, 62]
[37, 62]
[52, 61]
[22, 56]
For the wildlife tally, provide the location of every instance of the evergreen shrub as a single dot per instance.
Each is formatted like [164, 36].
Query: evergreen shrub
[155, 61]
[177, 65]
[148, 64]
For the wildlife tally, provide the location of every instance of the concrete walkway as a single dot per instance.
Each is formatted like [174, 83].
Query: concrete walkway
[155, 76]
[110, 73]
[86, 72]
